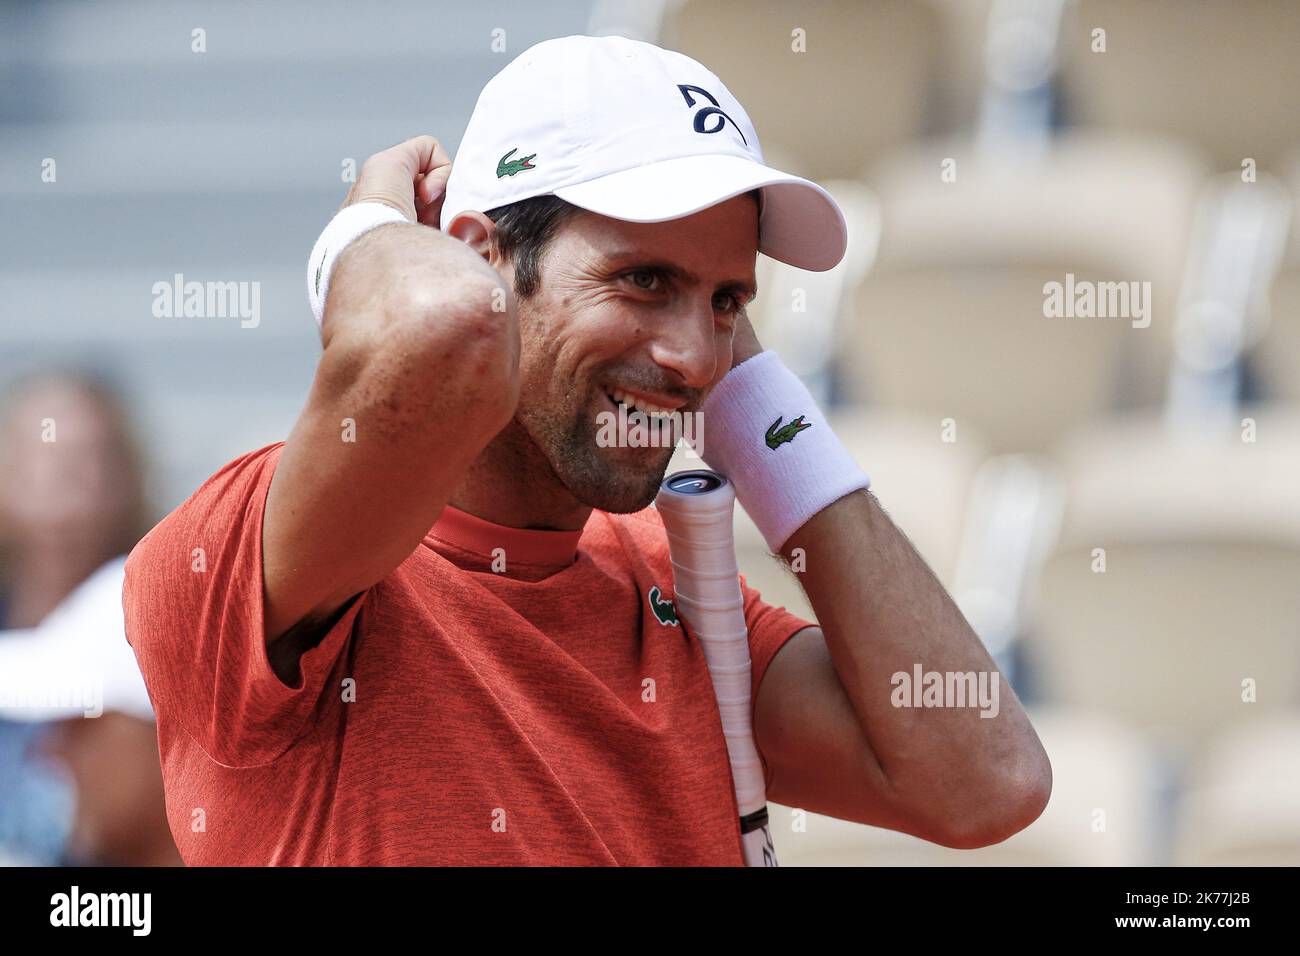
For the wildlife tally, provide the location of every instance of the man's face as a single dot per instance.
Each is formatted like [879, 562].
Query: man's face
[639, 312]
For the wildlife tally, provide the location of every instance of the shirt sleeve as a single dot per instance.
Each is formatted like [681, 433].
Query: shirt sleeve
[193, 604]
[769, 628]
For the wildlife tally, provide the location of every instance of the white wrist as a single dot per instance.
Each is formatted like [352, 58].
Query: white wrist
[767, 435]
[349, 224]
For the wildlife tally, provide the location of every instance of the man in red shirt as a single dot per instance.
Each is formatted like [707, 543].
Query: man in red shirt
[429, 628]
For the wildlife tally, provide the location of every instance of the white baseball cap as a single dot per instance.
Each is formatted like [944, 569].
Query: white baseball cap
[76, 662]
[625, 129]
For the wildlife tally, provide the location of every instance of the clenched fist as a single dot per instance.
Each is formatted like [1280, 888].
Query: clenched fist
[411, 177]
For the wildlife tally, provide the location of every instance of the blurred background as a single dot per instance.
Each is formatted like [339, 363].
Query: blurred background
[1112, 498]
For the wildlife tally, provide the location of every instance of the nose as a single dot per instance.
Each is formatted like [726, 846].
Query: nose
[686, 343]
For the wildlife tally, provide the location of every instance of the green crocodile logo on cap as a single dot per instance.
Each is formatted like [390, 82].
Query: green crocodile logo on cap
[514, 165]
[777, 436]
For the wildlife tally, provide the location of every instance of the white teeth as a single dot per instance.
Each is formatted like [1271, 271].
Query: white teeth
[618, 395]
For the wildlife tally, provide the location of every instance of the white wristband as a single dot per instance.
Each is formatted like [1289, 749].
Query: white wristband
[767, 435]
[348, 225]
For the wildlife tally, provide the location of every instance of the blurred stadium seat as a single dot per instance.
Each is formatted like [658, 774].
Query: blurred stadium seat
[1012, 519]
[1276, 354]
[1243, 804]
[1222, 76]
[863, 86]
[1098, 815]
[1236, 247]
[1201, 536]
[950, 321]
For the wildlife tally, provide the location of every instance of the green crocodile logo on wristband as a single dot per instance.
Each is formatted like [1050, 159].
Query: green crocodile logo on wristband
[778, 434]
[664, 611]
[515, 165]
[320, 267]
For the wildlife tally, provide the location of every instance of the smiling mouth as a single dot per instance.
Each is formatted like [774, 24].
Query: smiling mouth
[619, 397]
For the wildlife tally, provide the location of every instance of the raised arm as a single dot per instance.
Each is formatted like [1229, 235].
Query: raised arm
[827, 715]
[418, 374]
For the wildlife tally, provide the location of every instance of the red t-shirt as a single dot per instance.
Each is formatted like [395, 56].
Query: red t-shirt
[452, 715]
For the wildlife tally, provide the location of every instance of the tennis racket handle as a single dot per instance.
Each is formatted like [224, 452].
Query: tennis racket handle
[756, 844]
[697, 508]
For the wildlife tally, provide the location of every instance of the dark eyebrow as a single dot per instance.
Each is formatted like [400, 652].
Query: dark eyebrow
[626, 259]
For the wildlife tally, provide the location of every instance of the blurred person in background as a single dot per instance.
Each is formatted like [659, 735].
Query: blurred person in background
[71, 502]
[76, 676]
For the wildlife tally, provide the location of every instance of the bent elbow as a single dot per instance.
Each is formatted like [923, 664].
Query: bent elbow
[1019, 799]
[1016, 797]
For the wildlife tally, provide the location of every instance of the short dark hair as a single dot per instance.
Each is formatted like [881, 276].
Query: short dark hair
[524, 229]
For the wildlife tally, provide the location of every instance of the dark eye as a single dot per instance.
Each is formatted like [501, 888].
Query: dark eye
[640, 274]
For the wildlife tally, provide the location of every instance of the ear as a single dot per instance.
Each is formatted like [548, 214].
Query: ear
[475, 230]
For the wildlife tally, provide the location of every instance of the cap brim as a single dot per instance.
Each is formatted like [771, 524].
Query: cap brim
[46, 675]
[76, 662]
[801, 223]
